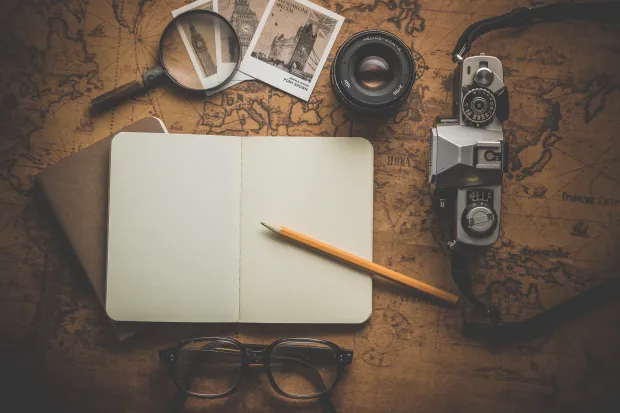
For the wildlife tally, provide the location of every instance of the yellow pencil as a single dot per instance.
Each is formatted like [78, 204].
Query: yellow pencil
[361, 262]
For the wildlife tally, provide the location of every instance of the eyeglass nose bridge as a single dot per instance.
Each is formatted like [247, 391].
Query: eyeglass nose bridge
[256, 356]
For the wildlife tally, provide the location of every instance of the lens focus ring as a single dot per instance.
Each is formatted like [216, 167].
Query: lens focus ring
[373, 72]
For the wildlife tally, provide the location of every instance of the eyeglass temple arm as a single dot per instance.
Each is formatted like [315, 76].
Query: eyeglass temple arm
[168, 355]
[345, 356]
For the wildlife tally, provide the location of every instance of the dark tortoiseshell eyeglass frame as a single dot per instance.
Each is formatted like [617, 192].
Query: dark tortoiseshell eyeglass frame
[259, 355]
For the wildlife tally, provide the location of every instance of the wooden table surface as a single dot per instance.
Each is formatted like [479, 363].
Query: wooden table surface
[560, 229]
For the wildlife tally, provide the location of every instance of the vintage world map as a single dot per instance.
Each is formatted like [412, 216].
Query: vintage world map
[560, 232]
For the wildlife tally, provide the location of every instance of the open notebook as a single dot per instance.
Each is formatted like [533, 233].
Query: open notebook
[185, 243]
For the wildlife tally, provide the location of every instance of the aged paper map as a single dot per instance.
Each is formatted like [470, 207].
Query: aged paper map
[560, 233]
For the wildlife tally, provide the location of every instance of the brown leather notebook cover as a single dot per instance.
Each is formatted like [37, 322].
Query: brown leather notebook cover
[77, 190]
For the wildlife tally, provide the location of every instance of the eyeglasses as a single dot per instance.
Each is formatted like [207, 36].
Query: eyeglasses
[299, 368]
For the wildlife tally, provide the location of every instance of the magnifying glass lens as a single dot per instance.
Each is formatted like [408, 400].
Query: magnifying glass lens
[200, 50]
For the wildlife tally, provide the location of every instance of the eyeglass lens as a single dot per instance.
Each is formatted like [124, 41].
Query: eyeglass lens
[209, 368]
[303, 368]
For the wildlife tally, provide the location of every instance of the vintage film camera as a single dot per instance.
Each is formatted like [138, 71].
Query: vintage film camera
[468, 153]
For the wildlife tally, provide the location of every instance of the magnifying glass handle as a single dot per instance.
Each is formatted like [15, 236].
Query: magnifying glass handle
[117, 95]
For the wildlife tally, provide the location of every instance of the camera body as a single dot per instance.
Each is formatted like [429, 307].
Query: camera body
[468, 153]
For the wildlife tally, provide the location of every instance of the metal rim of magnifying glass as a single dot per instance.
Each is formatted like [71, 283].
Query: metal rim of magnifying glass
[169, 26]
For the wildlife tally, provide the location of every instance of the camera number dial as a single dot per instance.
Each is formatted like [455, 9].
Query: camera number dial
[479, 106]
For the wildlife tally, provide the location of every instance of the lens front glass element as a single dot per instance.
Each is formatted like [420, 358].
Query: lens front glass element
[209, 368]
[303, 368]
[373, 72]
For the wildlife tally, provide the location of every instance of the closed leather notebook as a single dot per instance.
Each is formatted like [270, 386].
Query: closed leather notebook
[185, 240]
[77, 191]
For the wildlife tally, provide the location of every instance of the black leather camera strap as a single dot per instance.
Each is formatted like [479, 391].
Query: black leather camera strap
[494, 327]
[594, 11]
[459, 267]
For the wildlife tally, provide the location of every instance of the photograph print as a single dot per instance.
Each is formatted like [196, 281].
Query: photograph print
[295, 37]
[199, 37]
[244, 15]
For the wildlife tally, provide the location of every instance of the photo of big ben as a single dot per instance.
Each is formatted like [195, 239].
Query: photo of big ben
[245, 22]
[200, 48]
[244, 15]
[199, 38]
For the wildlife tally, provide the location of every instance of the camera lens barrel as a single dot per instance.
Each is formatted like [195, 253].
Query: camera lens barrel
[373, 72]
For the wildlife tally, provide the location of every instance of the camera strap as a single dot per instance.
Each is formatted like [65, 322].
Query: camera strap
[594, 11]
[459, 267]
[493, 326]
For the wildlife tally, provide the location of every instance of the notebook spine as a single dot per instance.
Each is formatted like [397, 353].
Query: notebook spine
[240, 215]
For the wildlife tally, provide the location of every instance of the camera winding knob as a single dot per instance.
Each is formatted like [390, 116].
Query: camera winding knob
[479, 106]
[484, 76]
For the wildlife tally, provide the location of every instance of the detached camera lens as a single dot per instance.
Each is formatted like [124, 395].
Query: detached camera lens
[373, 72]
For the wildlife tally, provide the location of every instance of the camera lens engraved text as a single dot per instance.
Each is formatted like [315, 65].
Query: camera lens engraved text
[382, 38]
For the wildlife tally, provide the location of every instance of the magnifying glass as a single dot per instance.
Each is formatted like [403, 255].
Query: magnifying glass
[199, 51]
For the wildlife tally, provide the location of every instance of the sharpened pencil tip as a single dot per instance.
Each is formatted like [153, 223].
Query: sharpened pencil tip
[270, 227]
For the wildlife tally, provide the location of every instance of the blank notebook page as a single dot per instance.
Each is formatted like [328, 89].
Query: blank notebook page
[173, 236]
[321, 187]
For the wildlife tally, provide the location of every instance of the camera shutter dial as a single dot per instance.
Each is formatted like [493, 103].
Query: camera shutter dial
[479, 106]
[479, 220]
